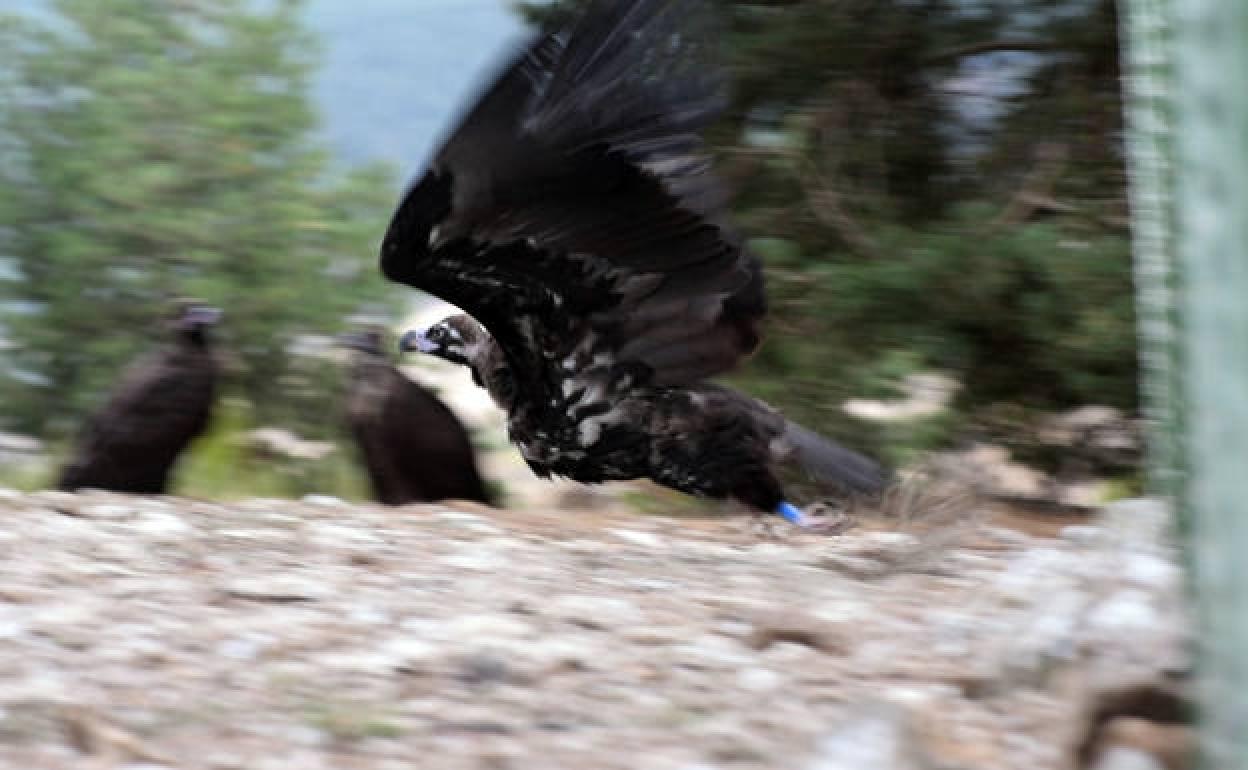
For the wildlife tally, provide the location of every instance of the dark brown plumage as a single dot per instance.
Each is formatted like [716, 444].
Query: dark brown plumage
[574, 215]
[163, 402]
[413, 447]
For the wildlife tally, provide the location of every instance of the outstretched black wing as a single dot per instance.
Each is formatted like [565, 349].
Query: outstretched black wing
[573, 213]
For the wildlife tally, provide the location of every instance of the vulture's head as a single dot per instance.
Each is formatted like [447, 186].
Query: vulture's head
[458, 339]
[192, 321]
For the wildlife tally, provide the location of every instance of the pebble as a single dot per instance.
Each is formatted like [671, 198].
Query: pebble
[651, 635]
[12, 628]
[405, 652]
[280, 519]
[885, 542]
[878, 740]
[758, 679]
[277, 588]
[1140, 522]
[1082, 535]
[469, 522]
[1124, 758]
[647, 540]
[274, 535]
[239, 649]
[447, 515]
[335, 534]
[771, 551]
[475, 559]
[1150, 571]
[106, 512]
[1124, 612]
[713, 651]
[466, 628]
[796, 627]
[368, 616]
[564, 651]
[161, 525]
[860, 567]
[596, 612]
[1006, 536]
[841, 610]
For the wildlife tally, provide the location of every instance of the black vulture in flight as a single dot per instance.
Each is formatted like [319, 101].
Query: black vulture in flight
[574, 215]
[163, 402]
[413, 447]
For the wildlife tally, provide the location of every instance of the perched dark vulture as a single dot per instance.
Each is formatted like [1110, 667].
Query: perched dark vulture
[574, 215]
[161, 405]
[414, 448]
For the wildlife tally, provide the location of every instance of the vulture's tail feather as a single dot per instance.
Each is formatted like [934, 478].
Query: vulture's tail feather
[832, 463]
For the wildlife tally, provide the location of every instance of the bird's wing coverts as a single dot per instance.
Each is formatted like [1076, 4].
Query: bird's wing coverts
[573, 208]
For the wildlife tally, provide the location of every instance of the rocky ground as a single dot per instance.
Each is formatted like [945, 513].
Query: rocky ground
[167, 633]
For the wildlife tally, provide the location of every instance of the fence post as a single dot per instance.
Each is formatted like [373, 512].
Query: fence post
[1204, 399]
[1147, 89]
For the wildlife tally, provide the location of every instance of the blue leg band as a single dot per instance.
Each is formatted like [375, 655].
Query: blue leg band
[791, 513]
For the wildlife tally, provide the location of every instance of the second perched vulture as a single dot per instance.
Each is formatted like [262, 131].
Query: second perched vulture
[413, 447]
[163, 403]
[574, 215]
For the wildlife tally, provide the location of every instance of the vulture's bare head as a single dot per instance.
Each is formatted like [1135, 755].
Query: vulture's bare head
[457, 339]
[191, 321]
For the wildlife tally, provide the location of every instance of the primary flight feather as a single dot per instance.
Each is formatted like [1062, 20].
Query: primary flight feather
[573, 213]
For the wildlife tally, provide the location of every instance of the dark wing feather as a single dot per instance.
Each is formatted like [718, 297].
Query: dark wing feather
[574, 210]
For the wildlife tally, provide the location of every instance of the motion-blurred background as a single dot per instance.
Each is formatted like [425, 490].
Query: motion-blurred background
[937, 188]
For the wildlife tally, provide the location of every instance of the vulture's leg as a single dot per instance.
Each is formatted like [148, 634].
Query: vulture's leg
[820, 519]
[763, 492]
[791, 513]
[823, 522]
[829, 518]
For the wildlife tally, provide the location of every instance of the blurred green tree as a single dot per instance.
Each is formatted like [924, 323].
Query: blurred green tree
[159, 149]
[932, 184]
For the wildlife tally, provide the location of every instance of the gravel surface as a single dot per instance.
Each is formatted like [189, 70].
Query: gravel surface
[160, 632]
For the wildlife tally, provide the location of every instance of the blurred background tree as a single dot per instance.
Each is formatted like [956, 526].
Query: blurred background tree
[152, 150]
[933, 185]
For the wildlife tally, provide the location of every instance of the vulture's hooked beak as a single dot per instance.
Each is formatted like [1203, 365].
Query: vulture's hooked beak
[416, 341]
